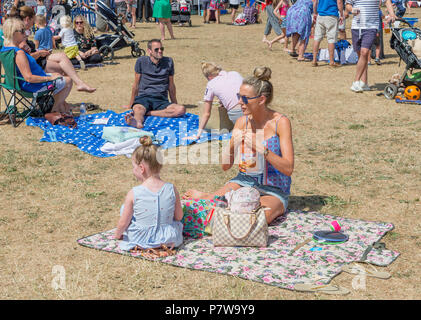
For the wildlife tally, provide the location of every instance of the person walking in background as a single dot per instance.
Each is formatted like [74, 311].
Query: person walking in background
[162, 11]
[234, 4]
[131, 8]
[364, 30]
[299, 23]
[216, 5]
[206, 11]
[272, 22]
[146, 4]
[329, 13]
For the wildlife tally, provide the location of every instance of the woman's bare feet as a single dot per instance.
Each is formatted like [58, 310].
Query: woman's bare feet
[84, 87]
[131, 121]
[195, 194]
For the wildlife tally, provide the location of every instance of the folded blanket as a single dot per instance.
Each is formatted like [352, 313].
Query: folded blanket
[121, 134]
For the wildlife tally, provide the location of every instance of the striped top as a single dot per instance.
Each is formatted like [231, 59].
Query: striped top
[368, 18]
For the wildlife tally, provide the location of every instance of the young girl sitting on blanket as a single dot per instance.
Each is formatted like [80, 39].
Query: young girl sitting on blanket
[150, 217]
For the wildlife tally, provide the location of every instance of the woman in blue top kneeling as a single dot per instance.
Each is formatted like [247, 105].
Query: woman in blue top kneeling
[151, 214]
[36, 80]
[262, 140]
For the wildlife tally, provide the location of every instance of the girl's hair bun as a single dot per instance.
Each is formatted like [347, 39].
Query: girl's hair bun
[145, 141]
[262, 73]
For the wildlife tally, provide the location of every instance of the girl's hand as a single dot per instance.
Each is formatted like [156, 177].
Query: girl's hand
[117, 236]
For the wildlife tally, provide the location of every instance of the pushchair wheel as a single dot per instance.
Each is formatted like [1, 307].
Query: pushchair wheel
[390, 91]
[189, 23]
[106, 52]
[137, 52]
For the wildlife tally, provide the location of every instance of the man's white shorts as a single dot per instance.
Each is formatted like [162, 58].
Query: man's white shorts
[326, 26]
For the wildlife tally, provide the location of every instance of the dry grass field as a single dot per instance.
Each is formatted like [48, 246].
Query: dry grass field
[357, 156]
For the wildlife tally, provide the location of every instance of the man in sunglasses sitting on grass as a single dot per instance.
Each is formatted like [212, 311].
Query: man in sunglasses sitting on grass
[154, 80]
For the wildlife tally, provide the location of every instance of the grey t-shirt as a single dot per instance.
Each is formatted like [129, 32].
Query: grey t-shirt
[154, 77]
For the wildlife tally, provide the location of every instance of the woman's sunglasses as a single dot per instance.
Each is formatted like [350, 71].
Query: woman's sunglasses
[21, 31]
[157, 49]
[246, 99]
[78, 22]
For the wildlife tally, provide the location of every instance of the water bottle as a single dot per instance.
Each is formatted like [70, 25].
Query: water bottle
[82, 113]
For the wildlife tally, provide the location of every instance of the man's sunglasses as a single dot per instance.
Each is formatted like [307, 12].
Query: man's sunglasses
[157, 49]
[246, 99]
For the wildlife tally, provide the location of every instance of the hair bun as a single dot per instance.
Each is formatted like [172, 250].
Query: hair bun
[145, 141]
[262, 73]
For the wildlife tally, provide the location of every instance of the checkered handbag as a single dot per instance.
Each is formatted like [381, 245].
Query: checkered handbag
[239, 229]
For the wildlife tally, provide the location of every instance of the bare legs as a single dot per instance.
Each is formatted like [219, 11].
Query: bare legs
[59, 63]
[195, 194]
[137, 118]
[274, 205]
[162, 23]
[133, 13]
[362, 65]
[60, 105]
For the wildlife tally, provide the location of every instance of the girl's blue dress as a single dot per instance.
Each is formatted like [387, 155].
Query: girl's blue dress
[153, 221]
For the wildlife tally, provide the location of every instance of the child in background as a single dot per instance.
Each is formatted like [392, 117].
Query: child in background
[151, 214]
[67, 37]
[280, 11]
[41, 9]
[183, 5]
[43, 38]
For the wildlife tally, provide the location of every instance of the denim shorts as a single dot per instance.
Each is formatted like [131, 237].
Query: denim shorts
[249, 181]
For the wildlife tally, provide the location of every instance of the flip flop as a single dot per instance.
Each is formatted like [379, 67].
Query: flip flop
[355, 269]
[328, 289]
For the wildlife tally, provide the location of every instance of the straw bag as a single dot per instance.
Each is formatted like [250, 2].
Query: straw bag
[239, 229]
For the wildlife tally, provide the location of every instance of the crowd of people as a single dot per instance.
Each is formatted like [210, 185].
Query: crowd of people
[302, 19]
[266, 160]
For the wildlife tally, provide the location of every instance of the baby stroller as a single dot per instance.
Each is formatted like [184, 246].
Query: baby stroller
[181, 13]
[122, 38]
[399, 42]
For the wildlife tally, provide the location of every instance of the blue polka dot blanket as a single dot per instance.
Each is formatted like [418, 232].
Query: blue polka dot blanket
[168, 132]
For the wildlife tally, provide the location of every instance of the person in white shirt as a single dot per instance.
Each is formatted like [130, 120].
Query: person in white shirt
[71, 49]
[364, 31]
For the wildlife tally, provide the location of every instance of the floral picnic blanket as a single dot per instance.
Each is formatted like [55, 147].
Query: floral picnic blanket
[277, 264]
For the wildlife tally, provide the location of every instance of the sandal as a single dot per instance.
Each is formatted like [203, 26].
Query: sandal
[357, 269]
[328, 289]
[91, 107]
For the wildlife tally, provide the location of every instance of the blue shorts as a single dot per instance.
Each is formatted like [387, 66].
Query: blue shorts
[363, 38]
[249, 181]
[205, 4]
[152, 103]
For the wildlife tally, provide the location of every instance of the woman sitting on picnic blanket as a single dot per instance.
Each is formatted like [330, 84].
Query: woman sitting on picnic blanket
[151, 214]
[263, 140]
[27, 67]
[50, 62]
[86, 42]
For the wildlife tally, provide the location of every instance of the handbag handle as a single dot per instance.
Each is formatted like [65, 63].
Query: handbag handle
[253, 220]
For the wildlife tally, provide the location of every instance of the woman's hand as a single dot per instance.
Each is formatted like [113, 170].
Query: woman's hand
[255, 141]
[44, 53]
